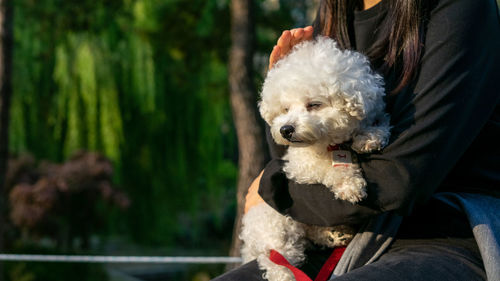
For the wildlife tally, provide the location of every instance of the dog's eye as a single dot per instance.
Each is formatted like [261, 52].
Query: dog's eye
[285, 109]
[313, 105]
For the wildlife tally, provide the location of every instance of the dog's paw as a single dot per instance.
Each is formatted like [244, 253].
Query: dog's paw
[368, 143]
[331, 237]
[352, 189]
[364, 144]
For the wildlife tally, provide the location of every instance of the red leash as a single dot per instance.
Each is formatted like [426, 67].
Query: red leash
[330, 264]
[278, 259]
[299, 275]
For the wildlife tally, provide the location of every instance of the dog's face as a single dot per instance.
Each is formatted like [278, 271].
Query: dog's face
[319, 93]
[302, 120]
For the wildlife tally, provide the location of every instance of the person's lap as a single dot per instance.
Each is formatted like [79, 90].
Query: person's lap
[424, 260]
[250, 271]
[407, 259]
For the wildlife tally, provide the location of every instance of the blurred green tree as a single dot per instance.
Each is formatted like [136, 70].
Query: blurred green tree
[250, 132]
[142, 81]
[6, 42]
[145, 83]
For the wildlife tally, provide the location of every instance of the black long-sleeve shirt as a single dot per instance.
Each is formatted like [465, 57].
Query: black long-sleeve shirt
[446, 122]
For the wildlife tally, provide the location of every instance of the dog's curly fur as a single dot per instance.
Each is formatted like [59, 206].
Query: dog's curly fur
[326, 96]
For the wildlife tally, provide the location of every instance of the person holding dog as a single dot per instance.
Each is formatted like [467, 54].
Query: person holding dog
[438, 179]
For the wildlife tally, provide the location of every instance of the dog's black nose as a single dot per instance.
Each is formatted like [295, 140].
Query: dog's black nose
[287, 131]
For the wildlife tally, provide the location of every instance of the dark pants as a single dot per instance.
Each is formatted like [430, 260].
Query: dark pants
[440, 259]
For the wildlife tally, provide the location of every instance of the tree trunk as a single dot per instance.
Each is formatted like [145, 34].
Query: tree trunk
[251, 143]
[5, 95]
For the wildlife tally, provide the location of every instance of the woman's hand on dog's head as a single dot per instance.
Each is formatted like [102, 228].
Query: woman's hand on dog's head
[287, 40]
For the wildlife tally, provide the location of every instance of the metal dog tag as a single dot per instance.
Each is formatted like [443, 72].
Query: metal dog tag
[341, 158]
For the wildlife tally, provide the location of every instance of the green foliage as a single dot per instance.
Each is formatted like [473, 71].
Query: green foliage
[142, 81]
[145, 83]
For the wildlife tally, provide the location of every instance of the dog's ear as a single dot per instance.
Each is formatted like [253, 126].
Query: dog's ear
[266, 112]
[355, 107]
[372, 137]
[361, 88]
[357, 97]
[364, 100]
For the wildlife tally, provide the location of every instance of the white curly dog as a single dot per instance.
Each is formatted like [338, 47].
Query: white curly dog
[316, 99]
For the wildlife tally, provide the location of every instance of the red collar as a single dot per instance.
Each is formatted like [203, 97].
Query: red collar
[331, 148]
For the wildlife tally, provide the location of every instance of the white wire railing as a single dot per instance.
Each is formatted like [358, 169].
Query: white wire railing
[117, 259]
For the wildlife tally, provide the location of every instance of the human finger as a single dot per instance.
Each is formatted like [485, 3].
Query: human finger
[293, 31]
[284, 42]
[297, 36]
[275, 56]
[308, 33]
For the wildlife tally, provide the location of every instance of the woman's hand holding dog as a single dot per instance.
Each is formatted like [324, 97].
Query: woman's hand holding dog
[253, 198]
[287, 40]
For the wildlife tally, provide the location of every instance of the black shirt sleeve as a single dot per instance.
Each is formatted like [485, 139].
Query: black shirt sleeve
[435, 121]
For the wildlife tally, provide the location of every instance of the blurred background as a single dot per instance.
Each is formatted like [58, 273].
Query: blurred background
[121, 134]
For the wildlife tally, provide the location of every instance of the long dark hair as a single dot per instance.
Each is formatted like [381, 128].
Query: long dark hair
[402, 47]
